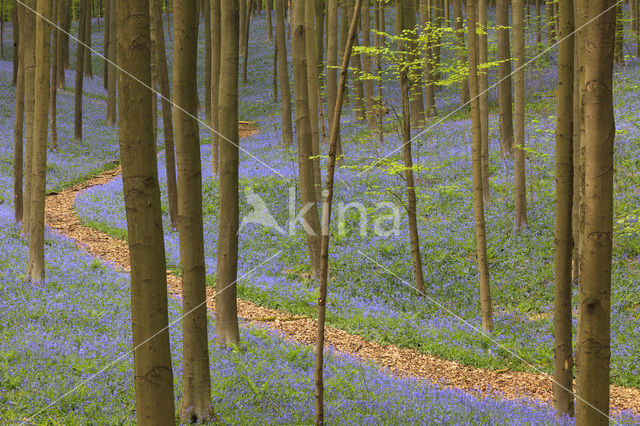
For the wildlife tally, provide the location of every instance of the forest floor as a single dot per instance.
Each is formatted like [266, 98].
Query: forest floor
[401, 362]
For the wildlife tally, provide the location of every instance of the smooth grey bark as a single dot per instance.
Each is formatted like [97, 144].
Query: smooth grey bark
[149, 312]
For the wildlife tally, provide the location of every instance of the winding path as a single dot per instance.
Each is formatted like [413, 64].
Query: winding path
[398, 361]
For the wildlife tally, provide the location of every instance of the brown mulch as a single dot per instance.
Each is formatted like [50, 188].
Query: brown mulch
[398, 361]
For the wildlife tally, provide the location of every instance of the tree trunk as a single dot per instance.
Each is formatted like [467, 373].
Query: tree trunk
[227, 331]
[195, 404]
[427, 73]
[29, 46]
[593, 349]
[245, 42]
[551, 25]
[519, 141]
[152, 354]
[326, 220]
[406, 15]
[285, 91]
[358, 86]
[111, 83]
[54, 75]
[303, 134]
[207, 61]
[563, 239]
[105, 49]
[269, 24]
[167, 119]
[483, 87]
[332, 58]
[366, 67]
[504, 79]
[478, 197]
[460, 48]
[313, 91]
[18, 133]
[215, 84]
[88, 68]
[36, 269]
[77, 133]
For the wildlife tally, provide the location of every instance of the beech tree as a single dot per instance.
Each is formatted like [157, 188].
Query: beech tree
[195, 404]
[478, 196]
[227, 330]
[18, 130]
[53, 126]
[167, 118]
[29, 56]
[406, 24]
[111, 74]
[149, 311]
[593, 348]
[36, 268]
[303, 134]
[505, 104]
[326, 218]
[283, 72]
[519, 138]
[79, 79]
[563, 238]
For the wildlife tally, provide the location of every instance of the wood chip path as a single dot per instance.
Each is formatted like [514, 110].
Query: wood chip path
[398, 361]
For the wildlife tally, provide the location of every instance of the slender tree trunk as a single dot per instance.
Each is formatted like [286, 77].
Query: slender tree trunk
[538, 25]
[504, 77]
[62, 13]
[167, 119]
[152, 355]
[367, 68]
[36, 268]
[563, 239]
[358, 86]
[303, 134]
[2, 30]
[18, 133]
[427, 73]
[313, 91]
[457, 16]
[195, 404]
[29, 55]
[269, 24]
[406, 15]
[206, 10]
[619, 54]
[88, 68]
[551, 33]
[111, 83]
[227, 331]
[593, 348]
[105, 50]
[332, 58]
[519, 140]
[245, 43]
[54, 75]
[77, 134]
[215, 84]
[483, 86]
[16, 41]
[67, 28]
[326, 219]
[285, 91]
[581, 16]
[478, 197]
